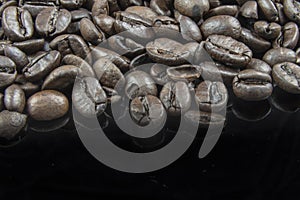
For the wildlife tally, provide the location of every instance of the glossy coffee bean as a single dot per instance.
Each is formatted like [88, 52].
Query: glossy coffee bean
[17, 56]
[251, 85]
[231, 10]
[211, 96]
[204, 119]
[267, 30]
[100, 7]
[85, 69]
[11, 123]
[90, 32]
[188, 28]
[47, 105]
[143, 11]
[159, 74]
[269, 9]
[26, 46]
[161, 7]
[192, 8]
[165, 22]
[291, 9]
[14, 98]
[249, 10]
[228, 50]
[139, 83]
[176, 98]
[279, 55]
[88, 97]
[72, 4]
[287, 76]
[106, 23]
[147, 110]
[17, 23]
[221, 25]
[259, 65]
[184, 73]
[8, 71]
[42, 65]
[289, 36]
[34, 8]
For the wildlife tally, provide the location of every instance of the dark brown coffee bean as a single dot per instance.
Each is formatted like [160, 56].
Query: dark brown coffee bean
[231, 10]
[142, 11]
[88, 97]
[42, 65]
[113, 6]
[162, 7]
[26, 46]
[106, 23]
[188, 28]
[184, 73]
[90, 32]
[1, 102]
[5, 4]
[228, 50]
[267, 30]
[159, 74]
[30, 88]
[47, 105]
[147, 110]
[289, 37]
[71, 4]
[108, 73]
[53, 21]
[279, 55]
[291, 9]
[221, 25]
[3, 44]
[8, 71]
[282, 16]
[79, 14]
[287, 76]
[259, 65]
[165, 22]
[204, 119]
[252, 85]
[11, 124]
[34, 8]
[17, 23]
[85, 69]
[216, 3]
[269, 9]
[127, 3]
[17, 56]
[192, 8]
[176, 98]
[249, 10]
[112, 95]
[139, 83]
[167, 51]
[100, 7]
[14, 99]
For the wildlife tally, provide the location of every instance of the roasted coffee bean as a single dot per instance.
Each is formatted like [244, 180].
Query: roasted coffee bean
[11, 124]
[26, 46]
[72, 4]
[61, 77]
[143, 11]
[228, 50]
[164, 22]
[287, 76]
[188, 28]
[269, 9]
[211, 96]
[78, 15]
[70, 44]
[289, 37]
[215, 3]
[108, 73]
[259, 65]
[279, 55]
[90, 32]
[249, 10]
[255, 42]
[35, 8]
[88, 97]
[184, 73]
[252, 85]
[231, 10]
[291, 9]
[1, 102]
[267, 30]
[147, 110]
[106, 23]
[47, 105]
[204, 119]
[166, 51]
[127, 3]
[100, 7]
[85, 69]
[8, 71]
[53, 21]
[42, 65]
[30, 88]
[17, 56]
[176, 98]
[3, 44]
[14, 99]
[162, 7]
[112, 95]
[140, 60]
[159, 74]
[5, 4]
[282, 16]
[139, 83]
[221, 25]
[17, 23]
[113, 6]
[192, 8]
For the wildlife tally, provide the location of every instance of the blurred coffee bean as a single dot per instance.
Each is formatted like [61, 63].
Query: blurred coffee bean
[11, 123]
[8, 71]
[269, 10]
[90, 32]
[249, 10]
[259, 65]
[252, 85]
[26, 46]
[192, 8]
[184, 73]
[279, 55]
[204, 119]
[14, 99]
[17, 56]
[267, 30]
[285, 102]
[47, 105]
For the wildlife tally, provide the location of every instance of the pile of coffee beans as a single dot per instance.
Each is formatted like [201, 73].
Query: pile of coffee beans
[55, 54]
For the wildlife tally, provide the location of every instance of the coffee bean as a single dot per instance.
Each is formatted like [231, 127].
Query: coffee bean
[176, 98]
[291, 9]
[1, 102]
[184, 73]
[100, 7]
[279, 55]
[90, 32]
[85, 69]
[3, 44]
[269, 9]
[282, 16]
[189, 29]
[221, 25]
[30, 88]
[147, 110]
[139, 83]
[289, 37]
[127, 3]
[71, 4]
[162, 7]
[17, 56]
[204, 119]
[251, 85]
[249, 10]
[259, 65]
[228, 50]
[143, 11]
[34, 8]
[287, 76]
[8, 71]
[88, 97]
[159, 74]
[26, 46]
[14, 99]
[17, 23]
[106, 23]
[11, 124]
[231, 10]
[47, 105]
[192, 8]
[267, 30]
[42, 65]
[53, 21]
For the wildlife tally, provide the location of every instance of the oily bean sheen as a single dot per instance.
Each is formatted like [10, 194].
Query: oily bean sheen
[211, 96]
[291, 9]
[16, 55]
[279, 55]
[17, 23]
[147, 110]
[287, 76]
[249, 10]
[221, 25]
[88, 97]
[189, 29]
[269, 9]
[228, 50]
[289, 36]
[8, 71]
[14, 98]
[173, 100]
[204, 119]
[11, 123]
[47, 105]
[267, 30]
[192, 8]
[251, 85]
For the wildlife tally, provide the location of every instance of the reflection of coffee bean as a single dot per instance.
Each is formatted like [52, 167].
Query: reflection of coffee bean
[11, 123]
[204, 119]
